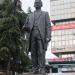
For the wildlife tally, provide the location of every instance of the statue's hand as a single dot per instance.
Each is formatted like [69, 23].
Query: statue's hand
[48, 40]
[27, 29]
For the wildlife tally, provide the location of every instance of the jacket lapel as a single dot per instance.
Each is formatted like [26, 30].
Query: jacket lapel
[37, 15]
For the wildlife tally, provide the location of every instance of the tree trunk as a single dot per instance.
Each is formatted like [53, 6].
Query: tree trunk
[13, 73]
[8, 68]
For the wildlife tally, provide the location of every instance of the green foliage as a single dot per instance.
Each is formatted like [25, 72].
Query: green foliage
[25, 60]
[11, 45]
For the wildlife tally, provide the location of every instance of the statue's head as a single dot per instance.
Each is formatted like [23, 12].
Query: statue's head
[38, 4]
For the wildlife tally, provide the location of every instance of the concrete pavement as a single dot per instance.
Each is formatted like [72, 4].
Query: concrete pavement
[50, 74]
[33, 74]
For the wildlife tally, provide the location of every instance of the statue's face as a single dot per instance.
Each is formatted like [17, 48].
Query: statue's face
[1, 1]
[38, 5]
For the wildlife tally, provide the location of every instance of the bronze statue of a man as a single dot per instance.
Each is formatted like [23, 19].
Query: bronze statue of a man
[38, 23]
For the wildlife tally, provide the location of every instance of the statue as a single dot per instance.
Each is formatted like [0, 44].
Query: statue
[39, 27]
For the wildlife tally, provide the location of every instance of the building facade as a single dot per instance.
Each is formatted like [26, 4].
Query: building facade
[62, 14]
[62, 9]
[63, 30]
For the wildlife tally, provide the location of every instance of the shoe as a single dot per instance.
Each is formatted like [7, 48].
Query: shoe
[42, 71]
[35, 71]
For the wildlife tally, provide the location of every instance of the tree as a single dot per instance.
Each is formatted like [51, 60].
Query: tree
[11, 22]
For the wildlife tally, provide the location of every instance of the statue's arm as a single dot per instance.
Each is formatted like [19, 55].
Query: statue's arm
[48, 28]
[26, 25]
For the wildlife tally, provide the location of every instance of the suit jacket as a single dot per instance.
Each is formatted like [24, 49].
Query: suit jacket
[40, 19]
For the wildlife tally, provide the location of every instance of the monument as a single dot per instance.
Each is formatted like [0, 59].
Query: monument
[39, 29]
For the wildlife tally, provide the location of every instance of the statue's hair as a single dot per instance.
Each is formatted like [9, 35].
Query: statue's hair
[41, 4]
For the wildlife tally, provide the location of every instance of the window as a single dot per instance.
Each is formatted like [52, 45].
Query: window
[67, 37]
[70, 42]
[70, 37]
[63, 31]
[73, 42]
[63, 43]
[57, 44]
[52, 33]
[53, 38]
[53, 44]
[63, 37]
[67, 43]
[73, 37]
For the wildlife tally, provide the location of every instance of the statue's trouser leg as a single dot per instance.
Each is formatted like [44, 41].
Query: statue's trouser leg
[37, 52]
[34, 54]
[41, 54]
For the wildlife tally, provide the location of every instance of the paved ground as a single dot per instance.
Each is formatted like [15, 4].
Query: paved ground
[51, 74]
[33, 74]
[62, 74]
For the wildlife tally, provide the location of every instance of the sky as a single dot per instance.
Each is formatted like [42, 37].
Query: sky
[46, 7]
[30, 3]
